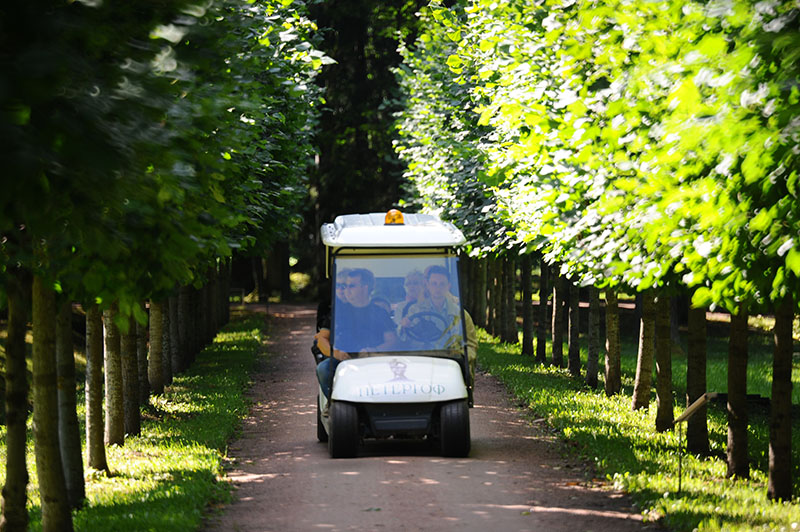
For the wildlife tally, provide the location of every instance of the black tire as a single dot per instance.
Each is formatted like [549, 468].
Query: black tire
[322, 435]
[454, 429]
[344, 438]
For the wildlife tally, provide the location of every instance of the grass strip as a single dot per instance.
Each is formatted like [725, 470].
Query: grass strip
[624, 448]
[166, 478]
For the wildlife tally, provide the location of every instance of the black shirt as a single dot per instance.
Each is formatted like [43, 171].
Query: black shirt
[356, 328]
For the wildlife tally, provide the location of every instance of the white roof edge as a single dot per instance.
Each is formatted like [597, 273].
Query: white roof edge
[369, 231]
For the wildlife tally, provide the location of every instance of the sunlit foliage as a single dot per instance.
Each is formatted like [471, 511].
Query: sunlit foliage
[145, 140]
[637, 143]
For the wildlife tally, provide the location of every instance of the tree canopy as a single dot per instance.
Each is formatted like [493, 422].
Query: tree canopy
[636, 143]
[142, 142]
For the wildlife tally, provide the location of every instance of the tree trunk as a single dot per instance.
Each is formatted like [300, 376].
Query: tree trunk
[95, 447]
[208, 304]
[56, 512]
[141, 362]
[130, 380]
[155, 369]
[527, 305]
[644, 360]
[509, 322]
[195, 323]
[184, 323]
[665, 414]
[115, 406]
[543, 323]
[258, 279]
[465, 276]
[174, 333]
[697, 425]
[574, 344]
[495, 290]
[593, 349]
[166, 348]
[226, 305]
[738, 460]
[558, 320]
[68, 429]
[14, 512]
[480, 288]
[780, 417]
[613, 371]
[675, 321]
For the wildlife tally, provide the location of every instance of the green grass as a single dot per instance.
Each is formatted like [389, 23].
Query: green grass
[623, 447]
[167, 477]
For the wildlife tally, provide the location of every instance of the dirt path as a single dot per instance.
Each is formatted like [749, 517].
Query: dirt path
[514, 479]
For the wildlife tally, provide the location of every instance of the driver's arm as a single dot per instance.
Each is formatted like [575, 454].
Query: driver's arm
[323, 338]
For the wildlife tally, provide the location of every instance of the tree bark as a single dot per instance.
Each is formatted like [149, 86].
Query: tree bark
[155, 369]
[779, 486]
[480, 288]
[675, 321]
[208, 326]
[613, 371]
[14, 512]
[697, 425]
[465, 275]
[95, 446]
[644, 360]
[738, 460]
[574, 344]
[176, 364]
[559, 310]
[56, 512]
[115, 407]
[509, 302]
[527, 305]
[495, 283]
[166, 341]
[141, 362]
[184, 323]
[68, 429]
[226, 290]
[665, 414]
[132, 421]
[543, 323]
[593, 349]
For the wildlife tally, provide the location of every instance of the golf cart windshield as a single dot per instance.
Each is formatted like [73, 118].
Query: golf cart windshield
[397, 304]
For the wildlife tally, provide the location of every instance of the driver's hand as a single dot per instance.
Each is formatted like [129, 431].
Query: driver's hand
[340, 355]
[405, 322]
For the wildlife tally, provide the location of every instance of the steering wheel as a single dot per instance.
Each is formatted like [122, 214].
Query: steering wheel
[426, 326]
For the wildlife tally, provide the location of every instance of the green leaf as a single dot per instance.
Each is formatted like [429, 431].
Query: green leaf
[454, 61]
[702, 297]
[793, 261]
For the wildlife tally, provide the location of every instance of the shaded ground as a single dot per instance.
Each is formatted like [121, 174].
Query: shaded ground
[515, 478]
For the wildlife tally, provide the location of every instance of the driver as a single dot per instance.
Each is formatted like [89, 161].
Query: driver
[444, 303]
[439, 301]
[361, 326]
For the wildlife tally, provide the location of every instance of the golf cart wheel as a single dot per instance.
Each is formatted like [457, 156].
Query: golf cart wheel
[322, 434]
[344, 438]
[454, 429]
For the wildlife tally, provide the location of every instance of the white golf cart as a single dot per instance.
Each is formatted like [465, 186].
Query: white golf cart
[417, 384]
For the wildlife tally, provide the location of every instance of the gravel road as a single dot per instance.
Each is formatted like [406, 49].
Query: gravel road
[516, 477]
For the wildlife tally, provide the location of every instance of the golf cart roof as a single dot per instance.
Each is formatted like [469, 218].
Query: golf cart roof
[390, 230]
